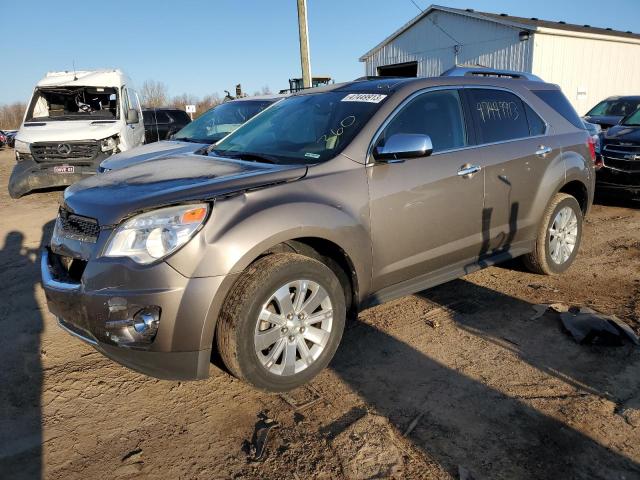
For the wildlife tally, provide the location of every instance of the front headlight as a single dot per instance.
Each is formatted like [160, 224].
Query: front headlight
[151, 236]
[108, 144]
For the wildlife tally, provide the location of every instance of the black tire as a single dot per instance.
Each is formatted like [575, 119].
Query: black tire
[540, 260]
[237, 322]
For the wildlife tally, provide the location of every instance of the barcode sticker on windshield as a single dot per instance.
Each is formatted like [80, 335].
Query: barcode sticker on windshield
[364, 97]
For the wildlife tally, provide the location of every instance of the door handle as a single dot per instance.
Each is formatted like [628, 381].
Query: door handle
[467, 170]
[542, 151]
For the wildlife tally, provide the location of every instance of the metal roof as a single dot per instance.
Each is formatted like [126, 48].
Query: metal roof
[532, 24]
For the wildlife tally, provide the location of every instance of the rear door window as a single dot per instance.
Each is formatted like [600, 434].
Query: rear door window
[499, 116]
[556, 100]
[437, 114]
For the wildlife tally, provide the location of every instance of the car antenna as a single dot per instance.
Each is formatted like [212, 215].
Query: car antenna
[75, 77]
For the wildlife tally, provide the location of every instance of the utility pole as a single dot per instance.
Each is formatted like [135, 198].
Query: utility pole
[303, 28]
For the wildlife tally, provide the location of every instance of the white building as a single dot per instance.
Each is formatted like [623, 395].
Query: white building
[588, 63]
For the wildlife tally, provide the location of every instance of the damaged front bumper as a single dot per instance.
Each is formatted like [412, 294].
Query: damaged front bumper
[29, 175]
[102, 310]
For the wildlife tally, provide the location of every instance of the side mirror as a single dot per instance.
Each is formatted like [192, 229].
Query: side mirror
[132, 116]
[403, 145]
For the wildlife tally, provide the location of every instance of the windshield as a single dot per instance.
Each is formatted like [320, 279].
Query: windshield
[309, 128]
[74, 103]
[218, 122]
[618, 108]
[632, 120]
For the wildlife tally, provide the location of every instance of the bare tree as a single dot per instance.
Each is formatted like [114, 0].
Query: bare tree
[11, 115]
[263, 91]
[153, 94]
[180, 101]
[207, 102]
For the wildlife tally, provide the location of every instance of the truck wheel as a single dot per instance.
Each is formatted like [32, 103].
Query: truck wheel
[558, 237]
[282, 321]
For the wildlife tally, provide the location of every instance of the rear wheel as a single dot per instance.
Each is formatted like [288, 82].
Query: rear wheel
[558, 237]
[282, 322]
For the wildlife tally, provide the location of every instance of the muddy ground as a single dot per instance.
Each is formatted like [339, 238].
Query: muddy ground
[480, 385]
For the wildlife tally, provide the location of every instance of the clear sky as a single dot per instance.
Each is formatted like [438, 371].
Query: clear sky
[201, 47]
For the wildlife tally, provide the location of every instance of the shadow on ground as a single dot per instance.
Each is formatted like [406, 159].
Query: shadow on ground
[21, 323]
[472, 422]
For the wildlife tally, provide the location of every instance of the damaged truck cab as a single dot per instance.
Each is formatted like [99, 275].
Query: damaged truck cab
[73, 122]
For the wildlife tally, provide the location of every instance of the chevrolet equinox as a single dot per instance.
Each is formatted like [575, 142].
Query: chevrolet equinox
[328, 202]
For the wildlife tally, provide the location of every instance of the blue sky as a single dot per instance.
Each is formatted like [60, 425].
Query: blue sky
[202, 47]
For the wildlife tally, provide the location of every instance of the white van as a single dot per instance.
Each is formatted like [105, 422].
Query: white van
[74, 121]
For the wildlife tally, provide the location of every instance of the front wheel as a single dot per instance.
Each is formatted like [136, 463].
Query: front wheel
[558, 238]
[282, 322]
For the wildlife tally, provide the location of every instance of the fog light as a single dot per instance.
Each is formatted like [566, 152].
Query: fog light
[146, 321]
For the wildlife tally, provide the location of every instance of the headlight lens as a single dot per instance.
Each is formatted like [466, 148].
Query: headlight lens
[151, 236]
[21, 147]
[108, 144]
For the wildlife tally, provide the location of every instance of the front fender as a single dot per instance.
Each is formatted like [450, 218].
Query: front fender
[241, 233]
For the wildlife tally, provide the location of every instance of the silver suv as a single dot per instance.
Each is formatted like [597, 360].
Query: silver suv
[326, 203]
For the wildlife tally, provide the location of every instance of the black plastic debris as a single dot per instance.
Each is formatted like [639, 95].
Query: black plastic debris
[256, 448]
[588, 327]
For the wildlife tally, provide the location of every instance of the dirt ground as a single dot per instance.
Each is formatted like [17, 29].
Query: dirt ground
[481, 386]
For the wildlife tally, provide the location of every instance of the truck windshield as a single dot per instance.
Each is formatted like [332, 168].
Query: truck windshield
[74, 103]
[218, 122]
[310, 128]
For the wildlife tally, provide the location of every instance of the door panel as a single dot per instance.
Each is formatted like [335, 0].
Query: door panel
[513, 168]
[424, 216]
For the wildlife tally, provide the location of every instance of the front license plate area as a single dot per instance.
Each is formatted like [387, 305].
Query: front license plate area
[62, 169]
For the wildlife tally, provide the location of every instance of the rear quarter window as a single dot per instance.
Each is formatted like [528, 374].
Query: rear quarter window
[536, 124]
[556, 100]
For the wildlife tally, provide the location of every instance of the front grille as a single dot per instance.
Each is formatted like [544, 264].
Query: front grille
[78, 227]
[76, 152]
[623, 156]
[631, 166]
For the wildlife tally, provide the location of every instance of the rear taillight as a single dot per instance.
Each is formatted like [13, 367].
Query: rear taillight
[595, 158]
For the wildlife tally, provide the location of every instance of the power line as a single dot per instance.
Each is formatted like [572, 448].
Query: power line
[417, 6]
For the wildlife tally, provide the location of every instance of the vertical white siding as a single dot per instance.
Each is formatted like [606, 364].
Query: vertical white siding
[599, 68]
[482, 42]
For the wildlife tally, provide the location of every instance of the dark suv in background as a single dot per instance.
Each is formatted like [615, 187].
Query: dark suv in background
[610, 111]
[330, 201]
[161, 123]
[619, 167]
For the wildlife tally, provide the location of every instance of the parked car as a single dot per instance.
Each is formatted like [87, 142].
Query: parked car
[10, 136]
[3, 139]
[73, 122]
[161, 123]
[619, 170]
[610, 111]
[328, 202]
[208, 128]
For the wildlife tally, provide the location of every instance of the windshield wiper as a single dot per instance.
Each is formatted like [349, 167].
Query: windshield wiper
[192, 140]
[248, 156]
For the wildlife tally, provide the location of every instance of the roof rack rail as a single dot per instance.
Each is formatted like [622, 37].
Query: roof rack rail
[489, 72]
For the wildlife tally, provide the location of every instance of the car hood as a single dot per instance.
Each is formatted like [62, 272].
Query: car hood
[150, 151]
[623, 133]
[67, 130]
[112, 196]
[605, 121]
